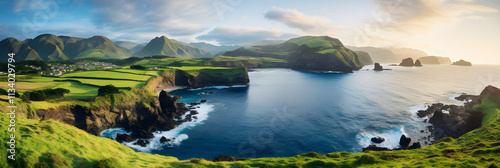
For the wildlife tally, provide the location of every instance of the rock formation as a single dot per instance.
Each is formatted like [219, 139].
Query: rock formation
[417, 63]
[378, 67]
[462, 63]
[407, 62]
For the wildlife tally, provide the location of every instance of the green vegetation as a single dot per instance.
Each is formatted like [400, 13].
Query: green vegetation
[46, 94]
[40, 141]
[108, 89]
[164, 46]
[106, 75]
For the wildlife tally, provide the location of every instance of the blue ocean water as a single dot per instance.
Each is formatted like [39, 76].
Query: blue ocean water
[286, 112]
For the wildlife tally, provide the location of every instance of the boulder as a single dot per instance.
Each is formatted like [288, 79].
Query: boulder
[404, 141]
[415, 145]
[407, 62]
[417, 63]
[375, 148]
[164, 139]
[203, 100]
[142, 143]
[124, 138]
[223, 158]
[378, 67]
[378, 139]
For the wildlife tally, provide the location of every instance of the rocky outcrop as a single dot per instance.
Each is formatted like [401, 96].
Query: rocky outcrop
[375, 148]
[407, 62]
[140, 117]
[418, 63]
[404, 141]
[378, 67]
[377, 139]
[490, 91]
[462, 63]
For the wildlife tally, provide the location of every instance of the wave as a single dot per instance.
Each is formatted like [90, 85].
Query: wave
[219, 87]
[175, 135]
[391, 138]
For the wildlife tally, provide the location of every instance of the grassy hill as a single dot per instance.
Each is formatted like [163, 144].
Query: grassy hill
[164, 46]
[308, 52]
[49, 47]
[40, 145]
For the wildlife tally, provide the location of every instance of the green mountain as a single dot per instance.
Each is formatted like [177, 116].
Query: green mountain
[380, 55]
[164, 46]
[364, 57]
[214, 49]
[49, 47]
[308, 52]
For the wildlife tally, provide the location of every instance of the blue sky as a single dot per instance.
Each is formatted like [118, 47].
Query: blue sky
[460, 29]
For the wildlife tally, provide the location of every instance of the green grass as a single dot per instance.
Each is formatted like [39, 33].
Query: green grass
[107, 75]
[138, 72]
[79, 91]
[189, 68]
[104, 82]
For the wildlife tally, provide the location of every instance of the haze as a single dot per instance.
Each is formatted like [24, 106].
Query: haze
[466, 29]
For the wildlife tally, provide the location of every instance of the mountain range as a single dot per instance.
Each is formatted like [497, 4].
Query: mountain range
[49, 47]
[164, 46]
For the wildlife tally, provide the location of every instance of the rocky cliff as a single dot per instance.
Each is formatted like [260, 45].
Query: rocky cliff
[434, 60]
[138, 114]
[407, 62]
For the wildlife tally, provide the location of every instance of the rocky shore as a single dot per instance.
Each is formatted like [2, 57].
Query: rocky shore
[447, 121]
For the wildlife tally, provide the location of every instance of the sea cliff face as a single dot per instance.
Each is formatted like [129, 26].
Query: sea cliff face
[206, 77]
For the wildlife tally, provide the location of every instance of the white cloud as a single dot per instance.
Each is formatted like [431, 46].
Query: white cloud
[172, 17]
[295, 19]
[236, 35]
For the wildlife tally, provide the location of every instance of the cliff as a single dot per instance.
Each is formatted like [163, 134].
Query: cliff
[321, 53]
[206, 77]
[364, 57]
[434, 60]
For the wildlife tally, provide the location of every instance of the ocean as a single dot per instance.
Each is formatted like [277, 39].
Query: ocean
[286, 112]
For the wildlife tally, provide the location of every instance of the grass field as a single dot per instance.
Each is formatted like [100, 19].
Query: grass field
[107, 75]
[104, 82]
[78, 91]
[138, 72]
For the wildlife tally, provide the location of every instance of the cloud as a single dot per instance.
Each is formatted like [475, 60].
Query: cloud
[295, 19]
[397, 22]
[236, 35]
[175, 18]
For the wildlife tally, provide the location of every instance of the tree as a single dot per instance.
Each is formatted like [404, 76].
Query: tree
[140, 67]
[108, 89]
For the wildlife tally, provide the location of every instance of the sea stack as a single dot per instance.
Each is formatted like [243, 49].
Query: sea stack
[417, 63]
[462, 63]
[378, 67]
[407, 62]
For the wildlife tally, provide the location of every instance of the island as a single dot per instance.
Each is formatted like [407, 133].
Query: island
[462, 63]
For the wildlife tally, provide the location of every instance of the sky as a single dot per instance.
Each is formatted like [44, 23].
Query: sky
[459, 29]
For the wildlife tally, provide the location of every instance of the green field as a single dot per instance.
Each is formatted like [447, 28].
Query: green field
[104, 82]
[107, 75]
[138, 72]
[78, 91]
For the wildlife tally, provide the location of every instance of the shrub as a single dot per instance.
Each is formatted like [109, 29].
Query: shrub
[108, 89]
[140, 67]
[46, 94]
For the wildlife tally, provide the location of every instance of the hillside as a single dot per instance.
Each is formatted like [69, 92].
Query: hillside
[164, 46]
[364, 57]
[408, 52]
[308, 53]
[49, 47]
[434, 60]
[380, 55]
[213, 49]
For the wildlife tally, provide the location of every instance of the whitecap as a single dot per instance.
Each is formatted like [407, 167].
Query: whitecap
[391, 138]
